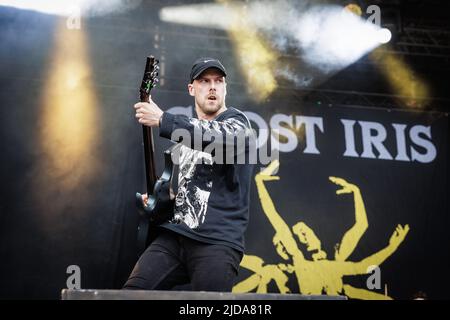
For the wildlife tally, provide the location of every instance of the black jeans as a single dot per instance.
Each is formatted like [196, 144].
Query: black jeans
[173, 259]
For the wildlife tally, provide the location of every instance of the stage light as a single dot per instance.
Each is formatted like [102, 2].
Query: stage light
[384, 35]
[69, 120]
[354, 8]
[57, 7]
[72, 7]
[327, 37]
[412, 91]
[256, 58]
[206, 15]
[332, 38]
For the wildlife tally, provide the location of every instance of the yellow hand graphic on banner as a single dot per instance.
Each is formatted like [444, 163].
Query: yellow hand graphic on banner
[262, 276]
[317, 275]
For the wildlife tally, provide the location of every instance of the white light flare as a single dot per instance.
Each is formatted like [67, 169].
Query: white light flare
[384, 35]
[56, 7]
[208, 15]
[332, 38]
[327, 37]
[68, 8]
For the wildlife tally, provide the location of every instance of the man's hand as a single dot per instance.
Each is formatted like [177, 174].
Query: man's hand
[148, 113]
[144, 199]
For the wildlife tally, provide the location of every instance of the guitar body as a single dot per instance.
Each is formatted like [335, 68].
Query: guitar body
[159, 205]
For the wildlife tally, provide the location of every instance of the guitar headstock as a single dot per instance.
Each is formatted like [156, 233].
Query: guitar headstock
[150, 78]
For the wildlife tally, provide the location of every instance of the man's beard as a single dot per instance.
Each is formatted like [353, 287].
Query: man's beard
[211, 108]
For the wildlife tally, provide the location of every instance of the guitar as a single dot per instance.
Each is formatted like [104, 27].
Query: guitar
[159, 206]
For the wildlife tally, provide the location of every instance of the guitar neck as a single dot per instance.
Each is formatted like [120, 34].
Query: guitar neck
[149, 153]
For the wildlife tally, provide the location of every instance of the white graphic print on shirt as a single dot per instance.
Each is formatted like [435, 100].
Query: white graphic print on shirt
[195, 174]
[194, 188]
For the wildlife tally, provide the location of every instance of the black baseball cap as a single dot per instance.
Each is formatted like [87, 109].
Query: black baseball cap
[202, 64]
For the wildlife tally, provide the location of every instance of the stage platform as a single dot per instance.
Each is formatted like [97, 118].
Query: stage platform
[91, 294]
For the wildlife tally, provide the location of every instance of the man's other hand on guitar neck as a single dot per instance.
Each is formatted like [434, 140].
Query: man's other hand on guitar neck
[148, 113]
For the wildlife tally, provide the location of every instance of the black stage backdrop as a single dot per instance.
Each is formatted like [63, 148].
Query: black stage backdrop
[302, 237]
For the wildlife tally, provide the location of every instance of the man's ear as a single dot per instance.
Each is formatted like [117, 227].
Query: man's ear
[191, 89]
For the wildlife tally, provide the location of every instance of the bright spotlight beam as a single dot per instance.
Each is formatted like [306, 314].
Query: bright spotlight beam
[332, 38]
[56, 7]
[207, 15]
[384, 35]
[69, 119]
[328, 37]
[69, 8]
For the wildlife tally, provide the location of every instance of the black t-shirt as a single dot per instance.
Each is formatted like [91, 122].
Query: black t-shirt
[215, 171]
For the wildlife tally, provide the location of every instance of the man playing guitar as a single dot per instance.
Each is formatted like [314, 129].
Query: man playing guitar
[203, 242]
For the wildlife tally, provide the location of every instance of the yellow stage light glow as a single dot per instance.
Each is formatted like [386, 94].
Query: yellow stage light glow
[68, 125]
[354, 8]
[408, 86]
[254, 55]
[257, 60]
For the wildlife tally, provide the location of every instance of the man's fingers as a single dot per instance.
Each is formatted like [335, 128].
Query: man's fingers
[144, 121]
[144, 198]
[140, 105]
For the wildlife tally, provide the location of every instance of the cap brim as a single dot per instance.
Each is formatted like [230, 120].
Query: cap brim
[204, 68]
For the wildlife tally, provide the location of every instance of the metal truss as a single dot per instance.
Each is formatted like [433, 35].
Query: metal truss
[423, 42]
[327, 97]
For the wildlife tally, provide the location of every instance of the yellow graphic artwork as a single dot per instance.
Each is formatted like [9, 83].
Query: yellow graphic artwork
[319, 275]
